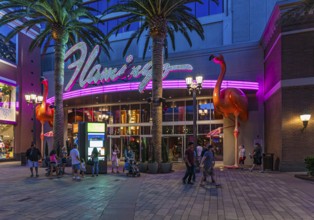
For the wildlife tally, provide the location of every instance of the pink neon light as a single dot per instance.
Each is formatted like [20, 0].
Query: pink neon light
[167, 84]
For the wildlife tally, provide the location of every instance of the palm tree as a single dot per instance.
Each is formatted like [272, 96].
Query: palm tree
[161, 18]
[63, 23]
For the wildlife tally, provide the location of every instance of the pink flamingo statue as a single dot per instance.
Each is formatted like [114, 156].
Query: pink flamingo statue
[229, 101]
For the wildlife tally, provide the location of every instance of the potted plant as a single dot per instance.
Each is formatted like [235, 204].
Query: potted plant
[166, 165]
[152, 166]
[143, 163]
[309, 164]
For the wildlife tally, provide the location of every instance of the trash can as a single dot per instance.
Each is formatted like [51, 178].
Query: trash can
[23, 159]
[268, 161]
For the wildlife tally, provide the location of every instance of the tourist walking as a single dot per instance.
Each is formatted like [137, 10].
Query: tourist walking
[64, 155]
[75, 157]
[115, 159]
[83, 168]
[257, 157]
[33, 155]
[189, 163]
[95, 167]
[53, 163]
[208, 164]
[242, 156]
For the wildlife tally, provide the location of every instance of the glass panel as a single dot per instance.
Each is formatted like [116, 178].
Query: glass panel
[134, 130]
[189, 110]
[145, 130]
[167, 112]
[134, 114]
[214, 8]
[202, 9]
[203, 129]
[145, 112]
[167, 130]
[192, 6]
[7, 148]
[115, 111]
[125, 114]
[204, 110]
[189, 129]
[7, 49]
[180, 129]
[179, 111]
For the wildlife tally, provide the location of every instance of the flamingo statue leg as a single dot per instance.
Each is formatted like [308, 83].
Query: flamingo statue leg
[42, 141]
[236, 135]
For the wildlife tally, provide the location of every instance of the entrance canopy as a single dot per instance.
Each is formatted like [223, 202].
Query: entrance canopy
[215, 133]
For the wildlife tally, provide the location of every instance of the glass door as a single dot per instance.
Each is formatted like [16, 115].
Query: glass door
[176, 147]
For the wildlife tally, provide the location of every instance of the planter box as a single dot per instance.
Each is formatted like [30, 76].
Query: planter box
[165, 167]
[143, 167]
[152, 168]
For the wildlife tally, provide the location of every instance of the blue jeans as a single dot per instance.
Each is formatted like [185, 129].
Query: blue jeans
[188, 173]
[95, 168]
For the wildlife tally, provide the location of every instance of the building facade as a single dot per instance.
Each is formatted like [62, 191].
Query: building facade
[271, 64]
[19, 74]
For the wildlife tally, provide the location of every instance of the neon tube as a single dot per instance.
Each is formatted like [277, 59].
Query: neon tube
[167, 84]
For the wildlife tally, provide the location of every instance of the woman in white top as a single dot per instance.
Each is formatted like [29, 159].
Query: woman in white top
[242, 156]
[115, 159]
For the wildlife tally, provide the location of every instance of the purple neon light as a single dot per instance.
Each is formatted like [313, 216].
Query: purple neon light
[167, 84]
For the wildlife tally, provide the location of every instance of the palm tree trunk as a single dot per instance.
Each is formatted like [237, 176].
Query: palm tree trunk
[58, 125]
[157, 59]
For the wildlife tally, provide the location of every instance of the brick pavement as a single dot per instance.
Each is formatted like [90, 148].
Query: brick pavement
[242, 195]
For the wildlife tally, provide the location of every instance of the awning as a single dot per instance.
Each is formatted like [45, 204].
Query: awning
[215, 133]
[49, 134]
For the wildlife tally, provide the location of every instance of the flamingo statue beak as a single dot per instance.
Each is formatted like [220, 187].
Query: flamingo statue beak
[211, 57]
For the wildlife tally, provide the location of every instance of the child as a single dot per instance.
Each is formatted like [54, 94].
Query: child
[53, 162]
[83, 167]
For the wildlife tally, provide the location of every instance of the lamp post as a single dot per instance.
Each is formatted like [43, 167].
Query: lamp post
[194, 86]
[34, 100]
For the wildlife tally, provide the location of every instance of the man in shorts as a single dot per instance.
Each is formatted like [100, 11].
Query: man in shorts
[75, 156]
[208, 163]
[33, 155]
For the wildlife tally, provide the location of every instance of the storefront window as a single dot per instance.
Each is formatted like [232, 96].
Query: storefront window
[6, 141]
[145, 112]
[145, 130]
[179, 111]
[7, 49]
[167, 129]
[179, 129]
[125, 114]
[189, 110]
[134, 114]
[167, 112]
[7, 102]
[203, 129]
[115, 110]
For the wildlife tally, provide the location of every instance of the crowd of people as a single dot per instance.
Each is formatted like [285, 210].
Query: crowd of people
[196, 159]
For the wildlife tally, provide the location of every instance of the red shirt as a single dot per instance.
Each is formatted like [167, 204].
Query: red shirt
[189, 153]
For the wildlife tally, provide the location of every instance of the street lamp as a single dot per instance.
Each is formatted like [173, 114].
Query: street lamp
[34, 100]
[194, 86]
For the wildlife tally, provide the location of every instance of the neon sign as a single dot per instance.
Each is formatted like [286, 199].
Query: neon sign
[88, 74]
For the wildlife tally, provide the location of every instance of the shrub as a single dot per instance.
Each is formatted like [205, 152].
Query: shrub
[309, 164]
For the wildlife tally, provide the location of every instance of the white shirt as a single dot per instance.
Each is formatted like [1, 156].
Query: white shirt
[74, 154]
[199, 150]
[242, 152]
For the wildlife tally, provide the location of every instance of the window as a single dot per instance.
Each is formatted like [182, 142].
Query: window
[207, 8]
[7, 49]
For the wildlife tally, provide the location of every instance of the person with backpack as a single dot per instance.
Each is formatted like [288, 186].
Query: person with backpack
[208, 163]
[33, 155]
[257, 157]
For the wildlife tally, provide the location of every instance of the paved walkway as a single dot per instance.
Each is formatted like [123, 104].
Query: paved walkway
[242, 195]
